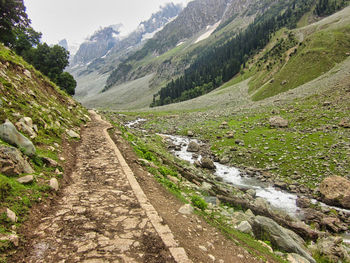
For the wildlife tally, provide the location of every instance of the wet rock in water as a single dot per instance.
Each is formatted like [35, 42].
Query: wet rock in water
[193, 147]
[278, 122]
[26, 179]
[332, 248]
[224, 160]
[265, 228]
[303, 202]
[12, 162]
[335, 190]
[245, 227]
[177, 148]
[281, 184]
[9, 134]
[54, 184]
[207, 163]
[186, 209]
[251, 192]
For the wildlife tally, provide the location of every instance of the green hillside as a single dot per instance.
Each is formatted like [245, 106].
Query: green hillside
[25, 92]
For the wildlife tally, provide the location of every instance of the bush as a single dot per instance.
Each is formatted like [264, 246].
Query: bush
[199, 202]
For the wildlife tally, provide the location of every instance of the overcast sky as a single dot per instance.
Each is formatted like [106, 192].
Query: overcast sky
[74, 20]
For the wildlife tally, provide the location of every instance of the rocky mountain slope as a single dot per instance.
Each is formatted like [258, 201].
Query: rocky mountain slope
[36, 119]
[91, 68]
[97, 45]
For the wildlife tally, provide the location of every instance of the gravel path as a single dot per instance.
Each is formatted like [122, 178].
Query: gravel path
[100, 218]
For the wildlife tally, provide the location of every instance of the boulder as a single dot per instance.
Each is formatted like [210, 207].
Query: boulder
[335, 190]
[73, 134]
[11, 215]
[9, 134]
[12, 162]
[251, 192]
[266, 229]
[27, 121]
[303, 202]
[193, 147]
[26, 179]
[332, 248]
[190, 134]
[26, 129]
[224, 160]
[295, 258]
[54, 184]
[207, 163]
[49, 162]
[245, 227]
[186, 209]
[211, 200]
[278, 122]
[13, 238]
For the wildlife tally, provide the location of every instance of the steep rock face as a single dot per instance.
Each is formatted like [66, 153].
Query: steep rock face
[195, 17]
[97, 45]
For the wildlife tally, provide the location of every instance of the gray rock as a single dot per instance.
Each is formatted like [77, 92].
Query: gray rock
[278, 122]
[245, 227]
[26, 179]
[332, 248]
[186, 209]
[49, 162]
[206, 186]
[27, 121]
[240, 216]
[224, 160]
[73, 134]
[211, 200]
[335, 190]
[303, 202]
[193, 147]
[11, 215]
[190, 134]
[265, 228]
[295, 258]
[26, 129]
[54, 184]
[12, 162]
[207, 163]
[9, 134]
[251, 192]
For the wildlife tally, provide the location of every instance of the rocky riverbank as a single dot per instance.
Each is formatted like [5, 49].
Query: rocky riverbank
[315, 222]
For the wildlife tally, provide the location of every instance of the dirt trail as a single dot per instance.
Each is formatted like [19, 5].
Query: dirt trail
[99, 217]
